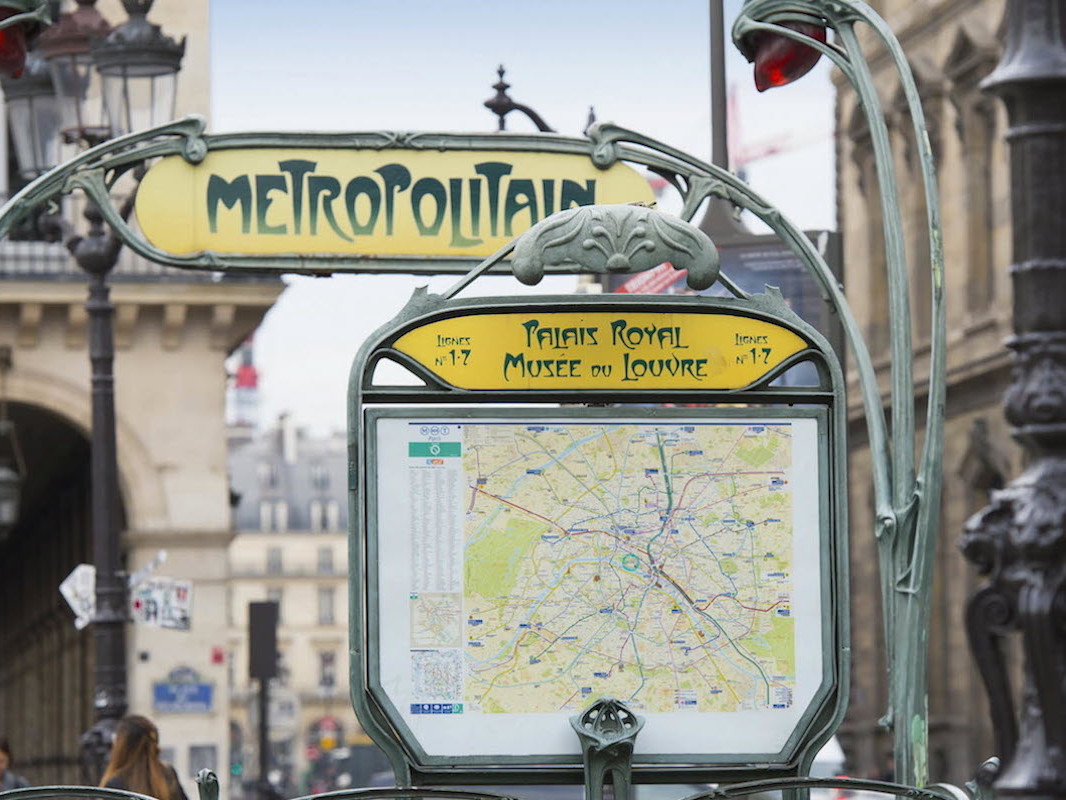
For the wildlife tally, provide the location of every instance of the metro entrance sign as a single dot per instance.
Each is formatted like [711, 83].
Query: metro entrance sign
[367, 202]
[522, 563]
[600, 350]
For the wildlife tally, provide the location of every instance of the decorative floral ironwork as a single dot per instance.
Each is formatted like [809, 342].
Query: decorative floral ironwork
[608, 731]
[616, 239]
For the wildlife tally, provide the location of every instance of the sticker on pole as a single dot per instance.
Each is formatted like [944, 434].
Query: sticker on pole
[79, 590]
[162, 603]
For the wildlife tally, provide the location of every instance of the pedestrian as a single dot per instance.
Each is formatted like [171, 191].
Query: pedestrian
[135, 764]
[8, 779]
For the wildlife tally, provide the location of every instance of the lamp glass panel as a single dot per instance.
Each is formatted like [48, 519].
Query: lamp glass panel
[9, 510]
[79, 95]
[34, 123]
[138, 98]
[10, 485]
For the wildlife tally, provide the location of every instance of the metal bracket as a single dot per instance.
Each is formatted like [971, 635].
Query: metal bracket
[608, 731]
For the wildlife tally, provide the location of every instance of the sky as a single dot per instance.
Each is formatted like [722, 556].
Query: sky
[352, 65]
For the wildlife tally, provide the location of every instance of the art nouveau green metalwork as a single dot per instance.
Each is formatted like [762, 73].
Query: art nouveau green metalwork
[907, 491]
[598, 238]
[30, 12]
[608, 732]
[907, 502]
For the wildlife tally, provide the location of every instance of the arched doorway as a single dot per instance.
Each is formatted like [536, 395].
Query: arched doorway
[46, 669]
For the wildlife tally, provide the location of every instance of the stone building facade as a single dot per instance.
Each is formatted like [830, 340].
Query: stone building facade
[173, 333]
[951, 45]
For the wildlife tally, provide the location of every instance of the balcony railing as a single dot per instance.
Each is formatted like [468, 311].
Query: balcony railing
[296, 571]
[25, 255]
[48, 261]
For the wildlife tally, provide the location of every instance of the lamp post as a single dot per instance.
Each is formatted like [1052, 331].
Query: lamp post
[106, 82]
[501, 104]
[1019, 540]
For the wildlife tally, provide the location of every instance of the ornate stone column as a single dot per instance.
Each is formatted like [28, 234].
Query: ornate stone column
[1019, 541]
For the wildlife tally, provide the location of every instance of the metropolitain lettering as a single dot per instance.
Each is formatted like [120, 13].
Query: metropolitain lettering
[297, 199]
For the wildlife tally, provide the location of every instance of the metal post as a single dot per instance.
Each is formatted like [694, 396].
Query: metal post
[97, 254]
[1019, 540]
[719, 123]
[265, 790]
[718, 221]
[501, 104]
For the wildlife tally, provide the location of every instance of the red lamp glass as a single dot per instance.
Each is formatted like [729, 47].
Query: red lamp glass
[12, 45]
[780, 60]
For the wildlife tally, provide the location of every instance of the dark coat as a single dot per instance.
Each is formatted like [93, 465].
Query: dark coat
[11, 781]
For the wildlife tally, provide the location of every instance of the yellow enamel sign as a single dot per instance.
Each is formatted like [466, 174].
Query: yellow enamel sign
[600, 350]
[389, 202]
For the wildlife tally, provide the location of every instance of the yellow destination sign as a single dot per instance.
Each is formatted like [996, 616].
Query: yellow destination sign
[600, 350]
[390, 202]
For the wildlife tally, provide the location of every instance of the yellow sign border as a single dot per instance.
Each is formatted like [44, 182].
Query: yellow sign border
[382, 202]
[600, 349]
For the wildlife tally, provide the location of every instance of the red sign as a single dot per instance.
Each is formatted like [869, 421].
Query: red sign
[654, 281]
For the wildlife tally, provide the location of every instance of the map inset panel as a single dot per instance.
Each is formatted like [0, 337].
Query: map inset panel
[652, 563]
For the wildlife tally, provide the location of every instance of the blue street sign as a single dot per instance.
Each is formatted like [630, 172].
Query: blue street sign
[182, 698]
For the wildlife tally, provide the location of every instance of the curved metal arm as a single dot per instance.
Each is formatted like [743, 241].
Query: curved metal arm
[907, 530]
[709, 180]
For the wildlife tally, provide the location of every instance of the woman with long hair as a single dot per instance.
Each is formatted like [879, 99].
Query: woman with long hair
[135, 764]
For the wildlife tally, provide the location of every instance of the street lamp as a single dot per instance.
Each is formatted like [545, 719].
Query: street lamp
[139, 66]
[501, 104]
[20, 23]
[33, 117]
[66, 46]
[107, 82]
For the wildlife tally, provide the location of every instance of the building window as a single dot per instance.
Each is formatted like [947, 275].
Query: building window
[273, 515]
[316, 515]
[325, 560]
[325, 606]
[202, 756]
[266, 515]
[327, 671]
[333, 516]
[274, 595]
[319, 477]
[268, 475]
[274, 561]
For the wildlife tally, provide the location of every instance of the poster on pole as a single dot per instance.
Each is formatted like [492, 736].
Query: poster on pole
[529, 562]
[162, 602]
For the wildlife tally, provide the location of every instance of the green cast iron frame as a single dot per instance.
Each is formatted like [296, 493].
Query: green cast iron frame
[208, 789]
[377, 714]
[906, 488]
[907, 498]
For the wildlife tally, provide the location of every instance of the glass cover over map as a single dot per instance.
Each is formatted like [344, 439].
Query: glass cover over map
[528, 567]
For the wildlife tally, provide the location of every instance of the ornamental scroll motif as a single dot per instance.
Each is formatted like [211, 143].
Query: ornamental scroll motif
[616, 239]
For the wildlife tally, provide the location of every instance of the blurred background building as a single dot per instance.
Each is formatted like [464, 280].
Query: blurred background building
[173, 333]
[951, 45]
[291, 546]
